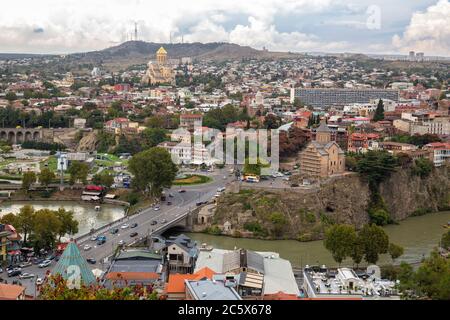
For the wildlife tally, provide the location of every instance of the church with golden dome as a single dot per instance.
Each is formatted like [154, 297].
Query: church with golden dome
[159, 72]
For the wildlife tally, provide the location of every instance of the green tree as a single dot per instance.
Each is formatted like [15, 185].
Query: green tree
[151, 137]
[445, 240]
[68, 225]
[78, 172]
[339, 240]
[46, 176]
[375, 242]
[11, 96]
[9, 218]
[28, 178]
[430, 281]
[422, 167]
[103, 179]
[379, 112]
[357, 250]
[25, 221]
[46, 227]
[395, 251]
[153, 170]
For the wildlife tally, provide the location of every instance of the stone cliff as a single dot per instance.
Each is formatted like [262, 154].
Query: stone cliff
[304, 214]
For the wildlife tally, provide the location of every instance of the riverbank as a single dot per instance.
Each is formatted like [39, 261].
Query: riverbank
[418, 235]
[84, 213]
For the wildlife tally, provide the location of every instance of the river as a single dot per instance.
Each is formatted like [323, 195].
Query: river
[85, 214]
[418, 236]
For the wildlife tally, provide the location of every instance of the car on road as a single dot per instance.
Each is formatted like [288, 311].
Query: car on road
[133, 234]
[87, 247]
[91, 260]
[294, 185]
[154, 222]
[115, 230]
[51, 257]
[1, 270]
[157, 208]
[101, 240]
[14, 273]
[37, 260]
[163, 221]
[45, 263]
[39, 281]
[94, 238]
[169, 203]
[121, 243]
[26, 276]
[25, 264]
[182, 191]
[134, 225]
[221, 189]
[170, 195]
[125, 226]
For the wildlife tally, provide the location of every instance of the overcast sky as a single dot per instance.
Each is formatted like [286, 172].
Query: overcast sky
[368, 26]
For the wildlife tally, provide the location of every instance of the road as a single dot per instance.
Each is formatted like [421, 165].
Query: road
[181, 203]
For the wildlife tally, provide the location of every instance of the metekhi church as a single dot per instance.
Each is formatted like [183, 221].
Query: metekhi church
[159, 72]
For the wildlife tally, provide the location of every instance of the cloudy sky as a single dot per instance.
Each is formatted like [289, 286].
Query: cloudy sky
[369, 26]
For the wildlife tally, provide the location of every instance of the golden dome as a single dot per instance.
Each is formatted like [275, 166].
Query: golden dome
[161, 51]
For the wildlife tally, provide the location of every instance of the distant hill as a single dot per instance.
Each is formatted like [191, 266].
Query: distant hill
[140, 52]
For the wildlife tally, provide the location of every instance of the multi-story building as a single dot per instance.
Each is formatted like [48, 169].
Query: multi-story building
[322, 157]
[190, 121]
[3, 243]
[441, 152]
[318, 97]
[360, 142]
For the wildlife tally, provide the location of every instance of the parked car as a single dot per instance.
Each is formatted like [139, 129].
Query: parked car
[169, 203]
[87, 247]
[94, 238]
[154, 222]
[25, 264]
[115, 230]
[1, 270]
[45, 263]
[91, 260]
[133, 234]
[26, 276]
[39, 281]
[125, 226]
[170, 195]
[163, 221]
[14, 273]
[134, 225]
[294, 185]
[182, 191]
[121, 243]
[157, 208]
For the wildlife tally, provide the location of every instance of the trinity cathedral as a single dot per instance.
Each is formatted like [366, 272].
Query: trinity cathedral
[159, 72]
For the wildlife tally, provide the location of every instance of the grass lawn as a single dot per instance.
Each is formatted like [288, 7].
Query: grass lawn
[192, 180]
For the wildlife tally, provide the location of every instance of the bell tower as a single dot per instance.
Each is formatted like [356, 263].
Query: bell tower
[323, 133]
[161, 56]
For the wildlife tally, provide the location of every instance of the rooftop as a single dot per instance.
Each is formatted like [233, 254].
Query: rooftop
[211, 290]
[10, 291]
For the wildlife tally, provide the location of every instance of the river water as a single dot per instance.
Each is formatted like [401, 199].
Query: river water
[85, 214]
[418, 236]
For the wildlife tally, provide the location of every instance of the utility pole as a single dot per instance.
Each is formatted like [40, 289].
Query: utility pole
[135, 31]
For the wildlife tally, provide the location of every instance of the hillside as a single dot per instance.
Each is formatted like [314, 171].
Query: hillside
[304, 214]
[139, 52]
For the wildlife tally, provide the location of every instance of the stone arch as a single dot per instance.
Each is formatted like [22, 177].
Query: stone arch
[12, 136]
[36, 135]
[3, 135]
[19, 137]
[28, 136]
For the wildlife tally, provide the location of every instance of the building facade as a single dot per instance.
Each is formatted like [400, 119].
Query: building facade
[160, 72]
[322, 157]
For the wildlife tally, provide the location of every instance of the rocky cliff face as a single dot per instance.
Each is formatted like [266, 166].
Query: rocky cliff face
[304, 214]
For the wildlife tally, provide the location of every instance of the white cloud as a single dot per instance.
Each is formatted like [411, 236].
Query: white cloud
[83, 25]
[427, 31]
